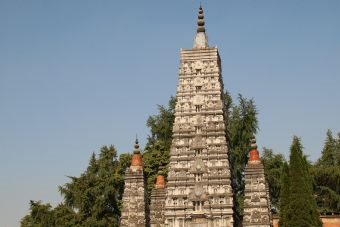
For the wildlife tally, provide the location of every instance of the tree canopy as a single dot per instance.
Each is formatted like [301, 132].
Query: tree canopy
[94, 197]
[298, 205]
[273, 164]
[326, 175]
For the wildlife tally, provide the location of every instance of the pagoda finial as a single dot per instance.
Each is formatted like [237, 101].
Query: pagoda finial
[136, 150]
[254, 156]
[200, 21]
[160, 180]
[201, 39]
[136, 159]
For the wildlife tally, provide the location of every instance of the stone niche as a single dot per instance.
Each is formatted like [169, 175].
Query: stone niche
[199, 222]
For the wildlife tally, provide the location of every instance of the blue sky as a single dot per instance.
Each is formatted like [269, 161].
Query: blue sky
[76, 75]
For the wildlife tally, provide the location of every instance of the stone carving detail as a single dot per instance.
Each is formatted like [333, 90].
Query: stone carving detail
[157, 203]
[257, 203]
[135, 208]
[255, 198]
[199, 147]
[198, 166]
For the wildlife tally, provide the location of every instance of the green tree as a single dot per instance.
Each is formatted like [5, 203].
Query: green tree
[326, 176]
[41, 215]
[64, 216]
[329, 152]
[273, 164]
[242, 124]
[338, 150]
[92, 199]
[284, 195]
[161, 125]
[157, 149]
[301, 210]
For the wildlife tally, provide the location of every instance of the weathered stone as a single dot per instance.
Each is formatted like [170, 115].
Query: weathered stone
[157, 203]
[199, 191]
[135, 210]
[257, 206]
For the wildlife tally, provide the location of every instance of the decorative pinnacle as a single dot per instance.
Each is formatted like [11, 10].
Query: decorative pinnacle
[136, 159]
[160, 170]
[160, 180]
[136, 151]
[200, 21]
[254, 156]
[253, 145]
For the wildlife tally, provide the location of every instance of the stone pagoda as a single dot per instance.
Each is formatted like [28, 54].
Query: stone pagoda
[158, 202]
[199, 190]
[135, 210]
[257, 206]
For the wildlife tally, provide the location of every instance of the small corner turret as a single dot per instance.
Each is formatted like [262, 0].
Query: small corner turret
[136, 160]
[257, 206]
[135, 203]
[158, 196]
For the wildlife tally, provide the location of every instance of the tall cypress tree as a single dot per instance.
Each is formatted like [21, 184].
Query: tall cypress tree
[284, 195]
[301, 210]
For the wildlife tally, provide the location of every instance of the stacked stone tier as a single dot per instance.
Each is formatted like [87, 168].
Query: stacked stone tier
[256, 203]
[158, 196]
[134, 212]
[199, 186]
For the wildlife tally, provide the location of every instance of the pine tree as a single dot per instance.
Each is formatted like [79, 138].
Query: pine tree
[95, 194]
[41, 215]
[301, 210]
[337, 151]
[329, 152]
[273, 164]
[326, 175]
[284, 195]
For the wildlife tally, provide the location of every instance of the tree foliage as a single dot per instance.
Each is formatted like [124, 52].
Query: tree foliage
[157, 149]
[92, 199]
[242, 124]
[284, 195]
[301, 210]
[326, 175]
[273, 164]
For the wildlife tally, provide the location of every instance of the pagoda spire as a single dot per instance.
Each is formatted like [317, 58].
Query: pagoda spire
[136, 160]
[254, 157]
[201, 39]
[200, 21]
[257, 206]
[135, 208]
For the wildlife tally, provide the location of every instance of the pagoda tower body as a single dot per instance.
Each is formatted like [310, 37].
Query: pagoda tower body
[257, 206]
[199, 189]
[135, 210]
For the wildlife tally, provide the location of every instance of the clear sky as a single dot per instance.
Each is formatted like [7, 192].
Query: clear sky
[76, 75]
